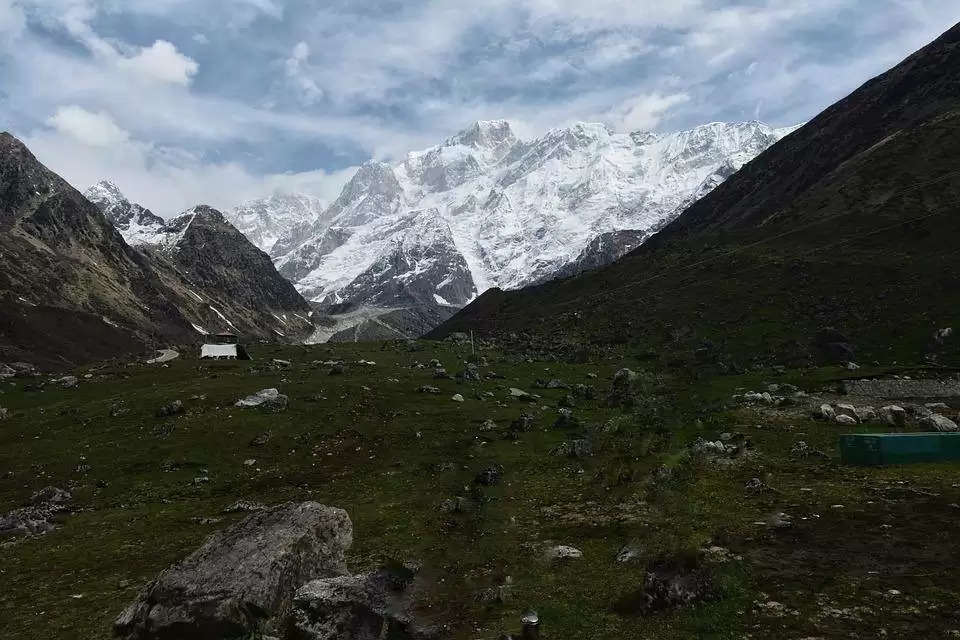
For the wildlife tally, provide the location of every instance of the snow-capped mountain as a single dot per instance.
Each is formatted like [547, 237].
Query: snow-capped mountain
[487, 209]
[213, 275]
[275, 221]
[136, 224]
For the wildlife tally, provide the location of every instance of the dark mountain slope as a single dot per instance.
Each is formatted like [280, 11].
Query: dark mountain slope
[72, 290]
[850, 223]
[225, 283]
[60, 259]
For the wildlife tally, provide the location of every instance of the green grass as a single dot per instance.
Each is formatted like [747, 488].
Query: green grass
[390, 456]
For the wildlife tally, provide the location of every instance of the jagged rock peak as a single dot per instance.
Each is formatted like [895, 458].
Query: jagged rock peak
[484, 133]
[373, 178]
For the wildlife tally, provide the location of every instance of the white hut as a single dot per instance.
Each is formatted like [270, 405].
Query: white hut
[225, 346]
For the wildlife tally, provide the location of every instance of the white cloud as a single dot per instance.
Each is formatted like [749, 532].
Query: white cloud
[12, 20]
[93, 129]
[298, 73]
[161, 61]
[644, 113]
[167, 180]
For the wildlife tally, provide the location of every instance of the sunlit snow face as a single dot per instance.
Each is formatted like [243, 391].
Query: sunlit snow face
[225, 101]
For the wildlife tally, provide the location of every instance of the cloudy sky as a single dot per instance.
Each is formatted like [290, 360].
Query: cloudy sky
[183, 101]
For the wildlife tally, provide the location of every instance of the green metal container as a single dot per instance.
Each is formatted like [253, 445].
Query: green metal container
[875, 449]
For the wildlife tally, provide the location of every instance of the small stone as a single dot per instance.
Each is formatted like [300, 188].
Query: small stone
[562, 553]
[261, 439]
[267, 399]
[845, 419]
[519, 394]
[457, 398]
[170, 409]
[629, 553]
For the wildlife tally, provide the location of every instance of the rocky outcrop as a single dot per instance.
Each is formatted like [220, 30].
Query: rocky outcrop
[242, 580]
[39, 517]
[361, 607]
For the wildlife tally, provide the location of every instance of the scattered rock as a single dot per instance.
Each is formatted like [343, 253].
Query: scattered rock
[780, 520]
[67, 382]
[622, 388]
[242, 577]
[937, 422]
[562, 552]
[668, 585]
[629, 553]
[579, 448]
[39, 516]
[359, 607]
[522, 424]
[845, 419]
[428, 389]
[267, 399]
[847, 410]
[566, 420]
[174, 408]
[894, 415]
[489, 476]
[244, 506]
[471, 373]
[941, 335]
[457, 398]
[826, 412]
[261, 439]
[488, 425]
[4, 414]
[519, 394]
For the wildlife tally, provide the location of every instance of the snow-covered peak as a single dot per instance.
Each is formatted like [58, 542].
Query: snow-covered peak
[104, 191]
[514, 211]
[135, 223]
[267, 221]
[485, 134]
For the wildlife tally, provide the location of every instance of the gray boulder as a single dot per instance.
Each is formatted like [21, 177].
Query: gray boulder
[937, 422]
[243, 578]
[894, 415]
[39, 517]
[266, 399]
[360, 607]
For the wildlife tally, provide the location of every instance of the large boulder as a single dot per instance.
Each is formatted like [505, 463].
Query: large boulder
[241, 581]
[361, 607]
[937, 422]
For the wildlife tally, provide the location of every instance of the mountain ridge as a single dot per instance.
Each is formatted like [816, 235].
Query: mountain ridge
[515, 211]
[224, 281]
[844, 225]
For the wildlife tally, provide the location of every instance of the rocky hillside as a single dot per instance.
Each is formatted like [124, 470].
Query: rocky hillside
[843, 232]
[221, 281]
[72, 289]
